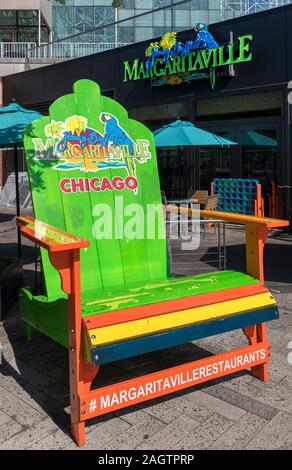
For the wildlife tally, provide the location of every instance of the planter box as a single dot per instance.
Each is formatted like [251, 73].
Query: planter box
[10, 283]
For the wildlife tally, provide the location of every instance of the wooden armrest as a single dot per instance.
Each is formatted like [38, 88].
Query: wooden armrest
[49, 237]
[233, 218]
[245, 219]
[256, 228]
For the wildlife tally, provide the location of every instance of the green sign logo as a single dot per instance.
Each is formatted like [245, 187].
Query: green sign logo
[78, 147]
[172, 62]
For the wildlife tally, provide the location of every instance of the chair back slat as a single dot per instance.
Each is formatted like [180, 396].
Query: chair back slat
[93, 172]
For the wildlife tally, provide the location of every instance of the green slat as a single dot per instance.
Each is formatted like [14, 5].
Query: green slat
[174, 288]
[46, 200]
[76, 207]
[107, 263]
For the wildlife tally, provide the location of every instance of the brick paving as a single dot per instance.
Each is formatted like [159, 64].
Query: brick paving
[236, 412]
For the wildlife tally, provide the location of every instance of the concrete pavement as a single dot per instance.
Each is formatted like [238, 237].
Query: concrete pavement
[236, 412]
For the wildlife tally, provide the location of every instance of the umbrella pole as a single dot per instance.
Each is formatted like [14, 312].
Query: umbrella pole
[17, 198]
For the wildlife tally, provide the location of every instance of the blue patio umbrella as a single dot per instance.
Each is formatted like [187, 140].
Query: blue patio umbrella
[184, 133]
[13, 120]
[255, 139]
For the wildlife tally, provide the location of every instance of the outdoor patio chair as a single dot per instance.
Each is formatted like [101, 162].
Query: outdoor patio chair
[211, 203]
[201, 196]
[108, 294]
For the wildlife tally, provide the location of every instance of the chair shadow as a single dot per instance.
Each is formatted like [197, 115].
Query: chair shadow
[6, 217]
[276, 267]
[9, 249]
[55, 408]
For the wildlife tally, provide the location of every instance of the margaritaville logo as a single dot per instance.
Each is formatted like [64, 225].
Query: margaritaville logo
[173, 62]
[78, 147]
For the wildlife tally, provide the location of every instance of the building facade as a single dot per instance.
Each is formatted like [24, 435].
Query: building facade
[72, 17]
[248, 103]
[77, 16]
[34, 33]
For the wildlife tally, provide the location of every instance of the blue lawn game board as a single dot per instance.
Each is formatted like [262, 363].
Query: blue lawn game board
[236, 195]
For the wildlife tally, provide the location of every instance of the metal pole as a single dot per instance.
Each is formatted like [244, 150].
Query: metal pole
[172, 15]
[40, 27]
[116, 26]
[17, 198]
[51, 45]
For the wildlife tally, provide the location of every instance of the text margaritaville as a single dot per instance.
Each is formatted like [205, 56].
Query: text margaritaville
[163, 385]
[201, 59]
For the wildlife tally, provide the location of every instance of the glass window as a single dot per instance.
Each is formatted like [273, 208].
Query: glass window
[160, 114]
[144, 5]
[182, 19]
[172, 165]
[203, 4]
[102, 16]
[7, 18]
[215, 162]
[28, 18]
[200, 16]
[126, 34]
[172, 172]
[260, 104]
[145, 20]
[106, 35]
[259, 159]
[63, 22]
[161, 3]
[129, 4]
[160, 31]
[83, 18]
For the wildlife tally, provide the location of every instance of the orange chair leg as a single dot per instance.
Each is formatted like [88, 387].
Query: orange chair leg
[81, 374]
[261, 371]
[257, 334]
[78, 432]
[87, 374]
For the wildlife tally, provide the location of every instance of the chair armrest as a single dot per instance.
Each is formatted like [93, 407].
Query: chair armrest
[49, 237]
[245, 219]
[256, 228]
[233, 218]
[64, 253]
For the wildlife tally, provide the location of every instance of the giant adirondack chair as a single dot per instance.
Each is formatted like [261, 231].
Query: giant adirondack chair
[108, 295]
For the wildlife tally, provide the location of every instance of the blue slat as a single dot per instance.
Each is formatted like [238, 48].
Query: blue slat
[144, 344]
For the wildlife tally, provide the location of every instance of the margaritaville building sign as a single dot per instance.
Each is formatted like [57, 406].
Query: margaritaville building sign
[172, 62]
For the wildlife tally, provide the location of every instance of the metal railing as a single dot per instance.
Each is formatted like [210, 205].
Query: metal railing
[15, 50]
[62, 50]
[210, 255]
[67, 50]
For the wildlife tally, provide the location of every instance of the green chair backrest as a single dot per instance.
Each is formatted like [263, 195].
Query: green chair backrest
[93, 172]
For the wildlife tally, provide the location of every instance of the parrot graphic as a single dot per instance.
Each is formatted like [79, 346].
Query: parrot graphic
[204, 39]
[115, 135]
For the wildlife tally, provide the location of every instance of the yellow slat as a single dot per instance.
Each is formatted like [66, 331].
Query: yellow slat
[145, 326]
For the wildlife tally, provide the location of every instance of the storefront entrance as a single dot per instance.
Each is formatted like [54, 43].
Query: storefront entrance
[254, 122]
[255, 157]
